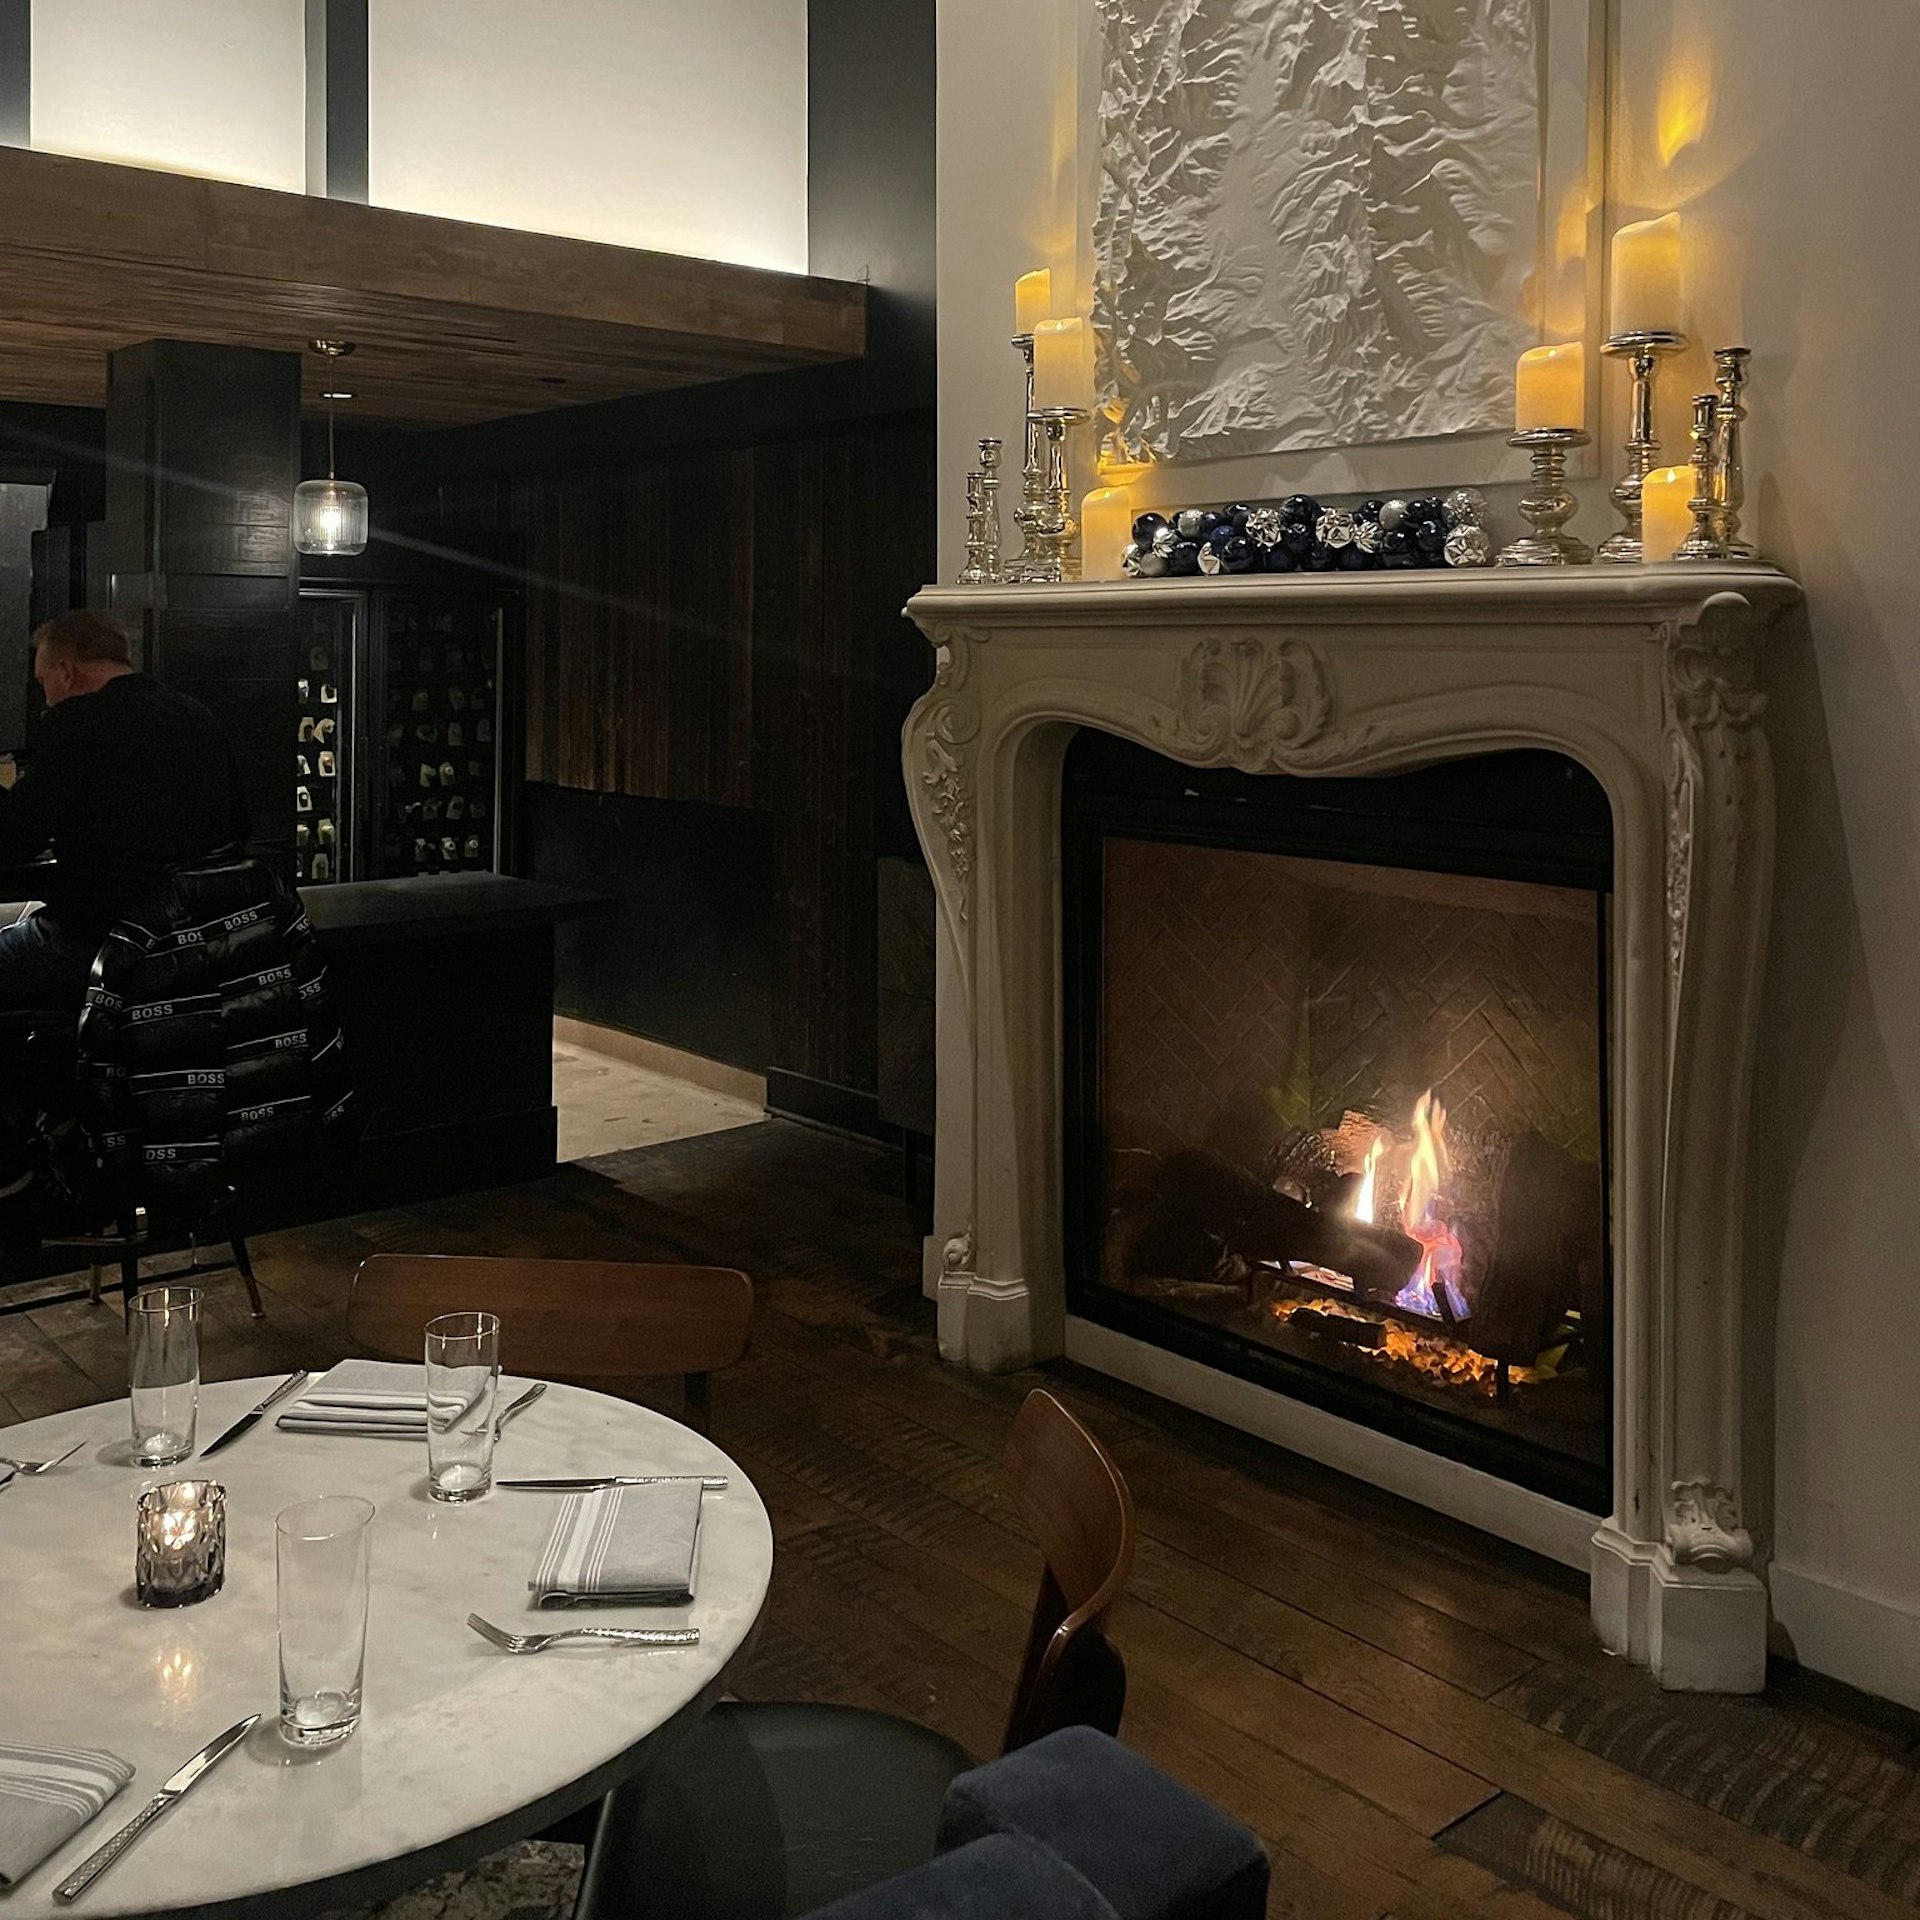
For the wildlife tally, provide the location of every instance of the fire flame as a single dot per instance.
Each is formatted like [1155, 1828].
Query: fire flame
[1434, 1288]
[1363, 1200]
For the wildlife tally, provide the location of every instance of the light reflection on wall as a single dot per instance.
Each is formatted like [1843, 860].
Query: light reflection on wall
[677, 128]
[206, 87]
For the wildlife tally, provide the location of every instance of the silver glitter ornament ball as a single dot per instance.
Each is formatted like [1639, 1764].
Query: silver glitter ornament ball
[1335, 528]
[1469, 547]
[1368, 534]
[1466, 507]
[1144, 563]
[1265, 526]
[1393, 516]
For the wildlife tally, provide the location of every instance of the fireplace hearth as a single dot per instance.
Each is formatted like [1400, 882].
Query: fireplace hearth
[1334, 1113]
[1625, 1290]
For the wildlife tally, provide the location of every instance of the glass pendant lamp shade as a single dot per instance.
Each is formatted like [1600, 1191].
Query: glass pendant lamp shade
[330, 516]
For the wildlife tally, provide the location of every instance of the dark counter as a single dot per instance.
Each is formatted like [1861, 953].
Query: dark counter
[437, 906]
[445, 990]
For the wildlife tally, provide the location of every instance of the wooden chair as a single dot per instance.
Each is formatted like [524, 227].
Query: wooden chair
[766, 1810]
[605, 1322]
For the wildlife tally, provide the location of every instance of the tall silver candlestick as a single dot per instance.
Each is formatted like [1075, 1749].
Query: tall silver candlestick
[1033, 481]
[1643, 352]
[1729, 463]
[1548, 504]
[1050, 539]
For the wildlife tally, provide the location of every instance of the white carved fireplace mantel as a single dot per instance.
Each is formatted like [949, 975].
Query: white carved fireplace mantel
[1647, 677]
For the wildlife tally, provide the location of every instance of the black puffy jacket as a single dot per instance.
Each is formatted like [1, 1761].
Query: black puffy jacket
[208, 1046]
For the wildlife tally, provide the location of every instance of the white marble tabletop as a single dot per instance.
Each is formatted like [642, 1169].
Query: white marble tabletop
[461, 1748]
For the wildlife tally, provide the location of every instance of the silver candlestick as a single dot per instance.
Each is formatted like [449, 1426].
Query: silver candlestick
[1548, 506]
[1729, 460]
[1643, 352]
[1033, 480]
[1703, 543]
[1050, 559]
[983, 519]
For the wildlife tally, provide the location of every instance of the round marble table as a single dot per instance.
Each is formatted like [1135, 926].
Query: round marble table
[462, 1748]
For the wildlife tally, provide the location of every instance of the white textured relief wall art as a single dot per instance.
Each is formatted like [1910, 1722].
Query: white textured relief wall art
[1318, 220]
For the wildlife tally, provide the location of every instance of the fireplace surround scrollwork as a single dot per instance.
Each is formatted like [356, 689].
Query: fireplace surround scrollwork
[1646, 676]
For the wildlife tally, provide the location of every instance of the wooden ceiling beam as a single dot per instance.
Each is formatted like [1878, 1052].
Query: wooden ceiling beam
[452, 322]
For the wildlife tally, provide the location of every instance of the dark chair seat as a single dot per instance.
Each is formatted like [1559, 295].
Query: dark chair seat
[1152, 1848]
[1004, 1878]
[764, 1812]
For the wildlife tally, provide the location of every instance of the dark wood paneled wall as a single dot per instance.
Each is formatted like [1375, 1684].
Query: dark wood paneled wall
[723, 626]
[203, 454]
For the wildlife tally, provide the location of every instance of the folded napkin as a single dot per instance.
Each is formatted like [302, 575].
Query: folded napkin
[622, 1546]
[47, 1794]
[372, 1396]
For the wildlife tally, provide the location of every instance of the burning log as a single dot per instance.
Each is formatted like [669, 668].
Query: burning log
[1195, 1208]
[1546, 1228]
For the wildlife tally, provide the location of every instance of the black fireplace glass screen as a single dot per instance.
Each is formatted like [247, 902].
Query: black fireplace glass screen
[1351, 1120]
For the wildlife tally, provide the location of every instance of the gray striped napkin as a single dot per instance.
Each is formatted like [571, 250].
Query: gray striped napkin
[47, 1794]
[632, 1546]
[379, 1397]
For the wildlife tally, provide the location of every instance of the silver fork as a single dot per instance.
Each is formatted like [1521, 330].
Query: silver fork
[41, 1466]
[623, 1636]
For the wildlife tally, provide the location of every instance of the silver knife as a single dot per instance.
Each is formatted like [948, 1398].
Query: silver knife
[712, 1483]
[90, 1869]
[246, 1421]
[526, 1400]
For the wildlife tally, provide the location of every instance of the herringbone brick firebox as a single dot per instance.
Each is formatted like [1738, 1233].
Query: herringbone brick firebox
[1349, 1111]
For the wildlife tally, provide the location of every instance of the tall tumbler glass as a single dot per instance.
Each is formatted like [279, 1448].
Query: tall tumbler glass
[323, 1556]
[463, 1382]
[163, 1373]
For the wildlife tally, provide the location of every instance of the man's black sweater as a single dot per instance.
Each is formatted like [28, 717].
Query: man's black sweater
[123, 783]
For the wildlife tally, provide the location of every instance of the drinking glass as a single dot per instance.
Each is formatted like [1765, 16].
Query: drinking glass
[463, 1382]
[322, 1554]
[163, 1373]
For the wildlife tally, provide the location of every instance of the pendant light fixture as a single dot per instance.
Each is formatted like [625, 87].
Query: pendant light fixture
[330, 515]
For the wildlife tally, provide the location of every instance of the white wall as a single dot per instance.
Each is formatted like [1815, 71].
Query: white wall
[640, 122]
[213, 87]
[1800, 178]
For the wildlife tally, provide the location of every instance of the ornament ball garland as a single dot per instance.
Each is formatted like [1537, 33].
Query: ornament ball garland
[1301, 536]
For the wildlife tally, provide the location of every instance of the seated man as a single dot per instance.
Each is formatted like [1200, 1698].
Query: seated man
[125, 779]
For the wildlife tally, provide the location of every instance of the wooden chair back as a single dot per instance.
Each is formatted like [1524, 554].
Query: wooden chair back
[610, 1322]
[1071, 1494]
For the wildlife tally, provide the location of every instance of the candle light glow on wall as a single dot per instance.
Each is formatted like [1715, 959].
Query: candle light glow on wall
[1550, 389]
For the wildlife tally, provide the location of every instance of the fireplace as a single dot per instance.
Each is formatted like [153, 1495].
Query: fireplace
[1334, 1103]
[1399, 755]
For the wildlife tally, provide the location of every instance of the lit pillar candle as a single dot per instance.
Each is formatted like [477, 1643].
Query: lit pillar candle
[1646, 277]
[1666, 512]
[1550, 389]
[1062, 364]
[1032, 300]
[1106, 526]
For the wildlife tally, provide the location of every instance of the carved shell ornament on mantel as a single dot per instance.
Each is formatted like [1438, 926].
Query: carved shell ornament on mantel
[1263, 705]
